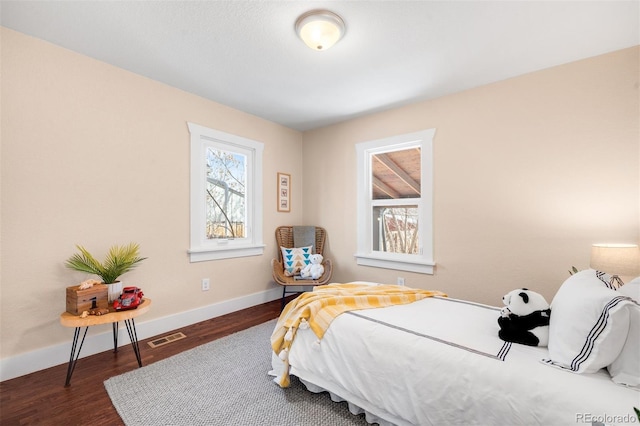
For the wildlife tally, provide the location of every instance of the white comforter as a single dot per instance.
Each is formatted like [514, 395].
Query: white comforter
[439, 361]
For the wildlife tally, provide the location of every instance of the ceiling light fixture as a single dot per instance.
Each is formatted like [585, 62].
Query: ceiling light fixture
[320, 29]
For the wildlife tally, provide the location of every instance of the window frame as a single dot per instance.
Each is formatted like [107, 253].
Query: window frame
[204, 249]
[420, 263]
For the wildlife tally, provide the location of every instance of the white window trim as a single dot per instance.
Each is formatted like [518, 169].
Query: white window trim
[366, 256]
[203, 249]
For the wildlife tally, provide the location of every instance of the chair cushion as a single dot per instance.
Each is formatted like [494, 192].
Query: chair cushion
[294, 259]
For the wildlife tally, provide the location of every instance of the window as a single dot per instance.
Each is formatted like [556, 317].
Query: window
[226, 195]
[395, 185]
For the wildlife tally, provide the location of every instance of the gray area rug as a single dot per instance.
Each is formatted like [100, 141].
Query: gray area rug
[224, 382]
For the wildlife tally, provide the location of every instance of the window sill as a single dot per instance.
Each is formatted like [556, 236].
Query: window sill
[420, 267]
[204, 254]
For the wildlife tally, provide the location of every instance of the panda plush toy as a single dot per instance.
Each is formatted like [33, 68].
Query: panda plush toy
[525, 318]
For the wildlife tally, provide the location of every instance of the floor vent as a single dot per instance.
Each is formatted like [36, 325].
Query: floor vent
[166, 339]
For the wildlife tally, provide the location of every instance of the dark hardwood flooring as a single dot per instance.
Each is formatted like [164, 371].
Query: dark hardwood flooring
[40, 398]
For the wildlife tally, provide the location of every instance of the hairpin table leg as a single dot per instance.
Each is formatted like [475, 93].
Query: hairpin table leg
[115, 336]
[133, 336]
[73, 358]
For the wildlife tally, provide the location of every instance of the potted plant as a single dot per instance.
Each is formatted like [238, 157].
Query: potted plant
[119, 260]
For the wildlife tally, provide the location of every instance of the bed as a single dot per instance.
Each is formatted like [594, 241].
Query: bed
[439, 361]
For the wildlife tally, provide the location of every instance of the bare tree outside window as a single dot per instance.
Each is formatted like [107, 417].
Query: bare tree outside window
[397, 229]
[225, 206]
[225, 199]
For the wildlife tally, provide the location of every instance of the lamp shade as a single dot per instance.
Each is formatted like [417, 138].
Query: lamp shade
[616, 259]
[320, 29]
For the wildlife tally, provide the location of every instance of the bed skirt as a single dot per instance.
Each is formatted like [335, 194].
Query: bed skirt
[353, 408]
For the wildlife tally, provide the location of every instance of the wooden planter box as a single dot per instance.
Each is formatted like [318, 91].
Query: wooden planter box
[79, 301]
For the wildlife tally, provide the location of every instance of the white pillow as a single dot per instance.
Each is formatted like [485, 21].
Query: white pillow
[589, 323]
[625, 370]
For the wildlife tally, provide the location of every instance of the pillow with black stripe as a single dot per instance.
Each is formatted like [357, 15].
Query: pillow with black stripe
[625, 369]
[589, 323]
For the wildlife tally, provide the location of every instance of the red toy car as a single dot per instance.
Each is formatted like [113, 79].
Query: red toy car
[130, 298]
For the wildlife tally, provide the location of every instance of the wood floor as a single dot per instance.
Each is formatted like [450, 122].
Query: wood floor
[41, 399]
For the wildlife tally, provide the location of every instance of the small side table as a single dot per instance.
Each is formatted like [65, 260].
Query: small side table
[113, 317]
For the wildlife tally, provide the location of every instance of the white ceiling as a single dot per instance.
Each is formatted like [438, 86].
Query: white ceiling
[245, 54]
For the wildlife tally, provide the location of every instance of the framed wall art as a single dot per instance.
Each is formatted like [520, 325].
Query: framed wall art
[284, 192]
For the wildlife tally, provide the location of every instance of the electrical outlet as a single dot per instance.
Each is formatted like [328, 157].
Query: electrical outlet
[205, 284]
[400, 281]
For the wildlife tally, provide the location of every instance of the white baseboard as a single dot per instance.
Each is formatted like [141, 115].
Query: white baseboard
[40, 359]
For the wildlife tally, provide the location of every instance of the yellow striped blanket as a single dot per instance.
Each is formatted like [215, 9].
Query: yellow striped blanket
[316, 309]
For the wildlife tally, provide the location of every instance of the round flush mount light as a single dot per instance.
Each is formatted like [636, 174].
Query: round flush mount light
[320, 29]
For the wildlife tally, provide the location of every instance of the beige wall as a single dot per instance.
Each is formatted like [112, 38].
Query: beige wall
[528, 173]
[95, 155]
